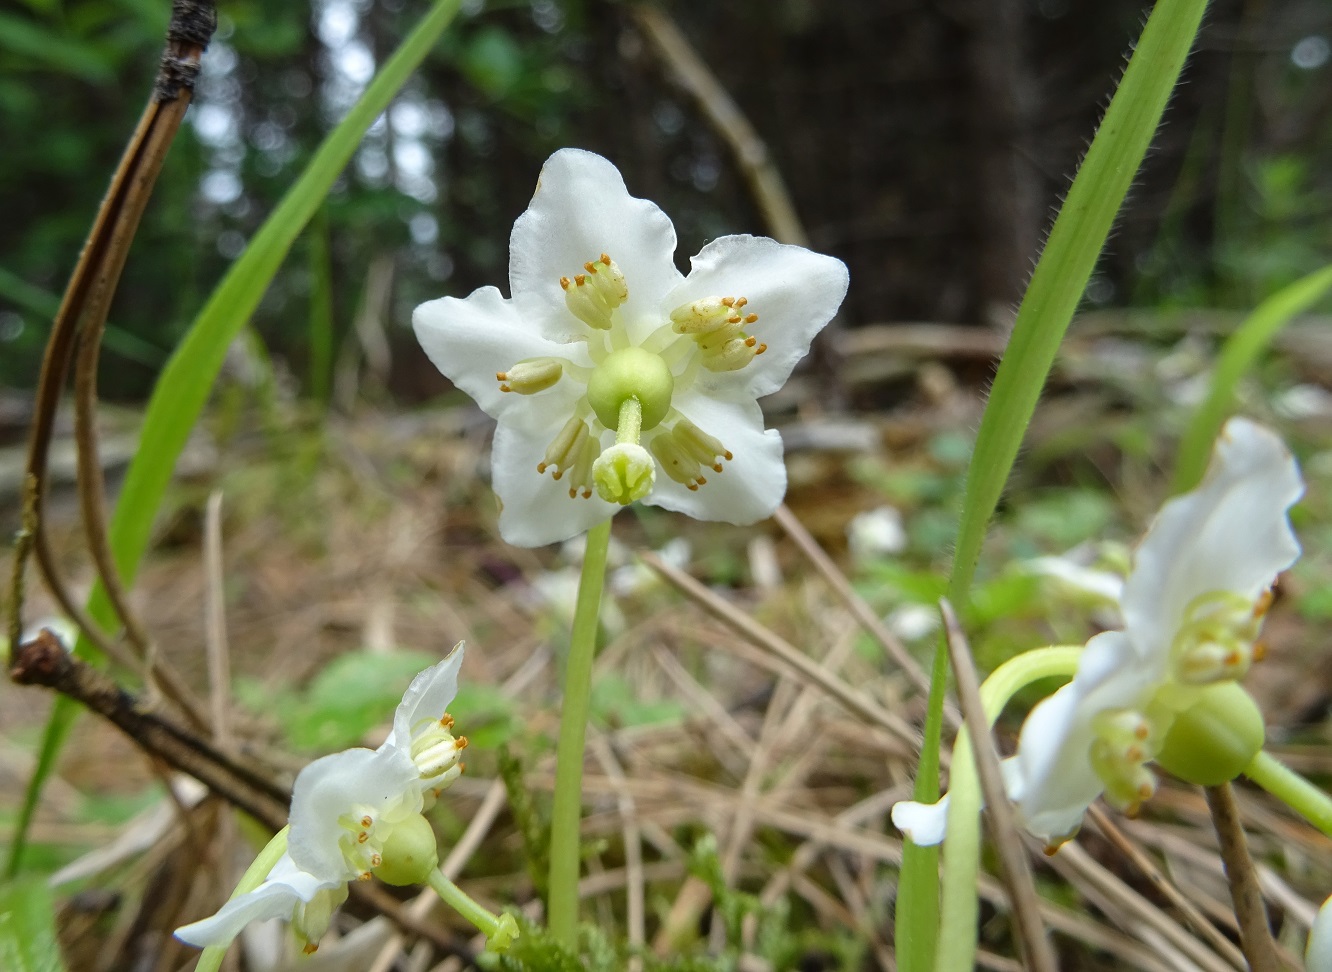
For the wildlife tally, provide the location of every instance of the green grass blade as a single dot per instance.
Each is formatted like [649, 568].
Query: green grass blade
[1056, 287]
[185, 383]
[46, 304]
[1240, 352]
[27, 928]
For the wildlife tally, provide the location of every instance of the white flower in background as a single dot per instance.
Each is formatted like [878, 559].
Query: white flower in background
[875, 534]
[355, 814]
[1192, 605]
[1318, 952]
[613, 377]
[1088, 573]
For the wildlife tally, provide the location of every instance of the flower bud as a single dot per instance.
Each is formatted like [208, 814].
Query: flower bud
[631, 373]
[410, 852]
[1212, 741]
[624, 473]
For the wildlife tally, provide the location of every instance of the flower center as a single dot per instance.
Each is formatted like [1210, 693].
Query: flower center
[631, 386]
[1123, 743]
[1217, 639]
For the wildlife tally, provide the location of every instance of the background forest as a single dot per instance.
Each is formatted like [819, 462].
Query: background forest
[923, 144]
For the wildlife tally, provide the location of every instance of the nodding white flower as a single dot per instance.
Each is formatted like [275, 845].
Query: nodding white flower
[613, 377]
[355, 814]
[1318, 952]
[1193, 604]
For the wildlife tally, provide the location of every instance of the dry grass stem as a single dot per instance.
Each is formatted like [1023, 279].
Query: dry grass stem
[1245, 893]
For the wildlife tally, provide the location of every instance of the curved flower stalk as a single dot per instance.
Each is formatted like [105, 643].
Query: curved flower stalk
[355, 814]
[613, 377]
[1193, 604]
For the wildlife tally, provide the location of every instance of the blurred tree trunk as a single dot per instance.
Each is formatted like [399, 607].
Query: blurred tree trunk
[1006, 205]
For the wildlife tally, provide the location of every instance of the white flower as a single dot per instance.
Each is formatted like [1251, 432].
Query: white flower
[346, 809]
[1192, 607]
[1318, 952]
[605, 343]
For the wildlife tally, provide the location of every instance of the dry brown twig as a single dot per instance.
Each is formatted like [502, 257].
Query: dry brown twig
[1245, 893]
[79, 320]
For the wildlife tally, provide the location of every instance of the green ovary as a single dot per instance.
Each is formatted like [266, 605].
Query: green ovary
[631, 373]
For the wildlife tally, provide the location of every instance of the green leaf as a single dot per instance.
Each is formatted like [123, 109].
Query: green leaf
[1056, 287]
[54, 50]
[27, 928]
[1240, 352]
[185, 383]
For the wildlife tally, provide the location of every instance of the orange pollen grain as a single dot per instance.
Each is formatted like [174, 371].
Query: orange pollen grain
[564, 282]
[446, 721]
[605, 258]
[692, 487]
[460, 742]
[1142, 732]
[376, 860]
[362, 837]
[1259, 650]
[760, 349]
[750, 342]
[573, 490]
[728, 456]
[367, 820]
[1263, 603]
[505, 388]
[541, 467]
[733, 320]
[580, 279]
[751, 318]
[501, 376]
[557, 474]
[716, 467]
[587, 493]
[363, 876]
[590, 267]
[1050, 850]
[310, 948]
[728, 301]
[1133, 754]
[701, 481]
[741, 302]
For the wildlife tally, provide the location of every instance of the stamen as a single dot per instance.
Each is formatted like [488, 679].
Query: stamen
[530, 376]
[593, 296]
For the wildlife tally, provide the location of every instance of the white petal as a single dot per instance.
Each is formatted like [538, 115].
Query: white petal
[1229, 534]
[426, 699]
[1053, 781]
[537, 509]
[580, 210]
[924, 823]
[1318, 953]
[471, 340]
[332, 786]
[751, 485]
[794, 292]
[286, 887]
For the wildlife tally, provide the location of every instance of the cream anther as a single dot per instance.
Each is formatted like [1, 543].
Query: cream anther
[593, 296]
[530, 376]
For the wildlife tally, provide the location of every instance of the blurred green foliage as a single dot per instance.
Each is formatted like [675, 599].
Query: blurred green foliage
[878, 125]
